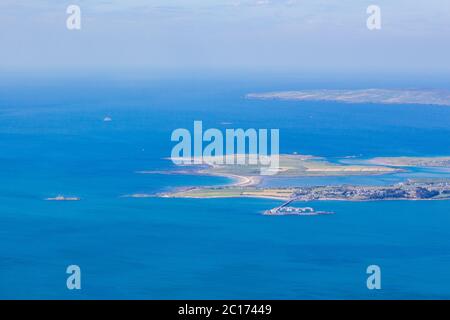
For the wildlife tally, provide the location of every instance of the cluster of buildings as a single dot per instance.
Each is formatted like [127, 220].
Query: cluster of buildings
[406, 190]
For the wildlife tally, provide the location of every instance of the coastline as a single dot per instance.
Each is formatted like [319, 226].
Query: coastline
[244, 183]
[237, 180]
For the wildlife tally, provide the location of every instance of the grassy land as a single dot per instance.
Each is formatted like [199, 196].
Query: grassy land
[231, 192]
[412, 161]
[300, 166]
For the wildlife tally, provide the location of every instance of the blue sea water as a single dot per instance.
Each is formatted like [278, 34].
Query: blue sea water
[53, 141]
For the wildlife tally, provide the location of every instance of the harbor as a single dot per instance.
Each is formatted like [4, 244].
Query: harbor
[285, 209]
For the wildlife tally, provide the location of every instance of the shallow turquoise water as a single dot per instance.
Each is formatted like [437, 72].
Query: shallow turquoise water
[53, 141]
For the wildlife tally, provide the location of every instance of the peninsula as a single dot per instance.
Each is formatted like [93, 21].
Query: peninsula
[409, 190]
[248, 182]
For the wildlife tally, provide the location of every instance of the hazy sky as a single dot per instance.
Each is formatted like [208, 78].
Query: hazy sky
[226, 34]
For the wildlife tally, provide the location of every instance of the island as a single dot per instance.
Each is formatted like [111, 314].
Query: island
[380, 96]
[290, 165]
[62, 198]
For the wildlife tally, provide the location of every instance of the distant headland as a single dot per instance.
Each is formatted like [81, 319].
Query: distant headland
[381, 96]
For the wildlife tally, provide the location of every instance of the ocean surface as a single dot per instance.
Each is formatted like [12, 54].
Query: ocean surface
[53, 140]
